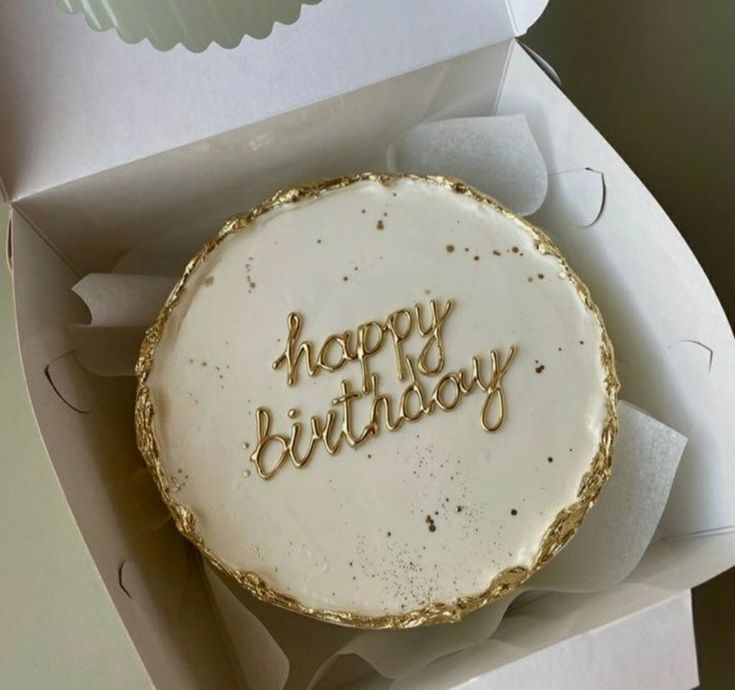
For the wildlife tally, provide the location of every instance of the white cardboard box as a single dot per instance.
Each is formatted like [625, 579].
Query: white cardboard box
[105, 147]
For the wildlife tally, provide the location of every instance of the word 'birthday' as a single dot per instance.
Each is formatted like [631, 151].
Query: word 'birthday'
[338, 428]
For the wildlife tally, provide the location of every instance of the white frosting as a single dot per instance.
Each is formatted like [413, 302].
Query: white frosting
[349, 532]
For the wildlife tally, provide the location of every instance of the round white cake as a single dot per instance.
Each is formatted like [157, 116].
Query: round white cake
[381, 401]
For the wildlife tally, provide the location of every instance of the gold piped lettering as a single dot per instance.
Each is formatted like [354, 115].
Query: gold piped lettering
[338, 426]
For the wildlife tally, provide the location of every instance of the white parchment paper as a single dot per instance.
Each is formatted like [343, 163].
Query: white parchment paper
[495, 154]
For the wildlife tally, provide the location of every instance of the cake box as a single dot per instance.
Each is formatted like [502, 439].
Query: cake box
[122, 144]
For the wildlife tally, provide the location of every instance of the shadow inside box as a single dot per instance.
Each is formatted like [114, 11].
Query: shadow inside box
[714, 611]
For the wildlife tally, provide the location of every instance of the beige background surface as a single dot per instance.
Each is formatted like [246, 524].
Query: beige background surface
[658, 80]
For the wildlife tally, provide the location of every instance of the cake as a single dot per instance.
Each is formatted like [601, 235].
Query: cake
[380, 401]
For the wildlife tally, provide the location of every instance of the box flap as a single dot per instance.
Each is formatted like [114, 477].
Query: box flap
[524, 14]
[579, 643]
[76, 102]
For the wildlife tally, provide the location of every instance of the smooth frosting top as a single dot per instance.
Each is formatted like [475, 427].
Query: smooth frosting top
[466, 362]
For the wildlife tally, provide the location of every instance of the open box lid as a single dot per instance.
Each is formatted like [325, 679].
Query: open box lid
[76, 102]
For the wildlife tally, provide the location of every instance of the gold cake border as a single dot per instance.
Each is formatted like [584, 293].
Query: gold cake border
[562, 528]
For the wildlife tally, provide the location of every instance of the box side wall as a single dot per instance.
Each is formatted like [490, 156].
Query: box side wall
[151, 574]
[674, 346]
[656, 642]
[193, 189]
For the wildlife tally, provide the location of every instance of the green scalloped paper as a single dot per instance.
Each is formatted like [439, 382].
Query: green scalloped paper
[193, 23]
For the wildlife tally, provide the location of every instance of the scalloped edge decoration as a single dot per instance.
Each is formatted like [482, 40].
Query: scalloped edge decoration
[559, 531]
[195, 24]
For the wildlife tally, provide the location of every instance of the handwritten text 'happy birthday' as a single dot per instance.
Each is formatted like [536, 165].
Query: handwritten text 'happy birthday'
[337, 427]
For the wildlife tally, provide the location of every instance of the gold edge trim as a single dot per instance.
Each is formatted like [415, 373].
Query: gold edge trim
[555, 537]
